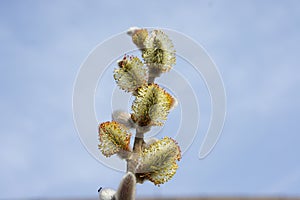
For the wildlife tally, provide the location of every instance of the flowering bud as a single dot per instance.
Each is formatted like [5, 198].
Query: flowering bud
[158, 161]
[113, 138]
[151, 105]
[159, 53]
[139, 37]
[131, 74]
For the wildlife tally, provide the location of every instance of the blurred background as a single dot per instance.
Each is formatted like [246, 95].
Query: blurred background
[255, 45]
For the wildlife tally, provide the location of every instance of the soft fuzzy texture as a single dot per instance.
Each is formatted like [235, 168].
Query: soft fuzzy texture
[126, 190]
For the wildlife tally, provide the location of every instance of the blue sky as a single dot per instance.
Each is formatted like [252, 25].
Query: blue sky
[255, 44]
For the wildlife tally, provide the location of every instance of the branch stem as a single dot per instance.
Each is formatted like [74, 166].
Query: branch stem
[139, 140]
[151, 79]
[138, 146]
